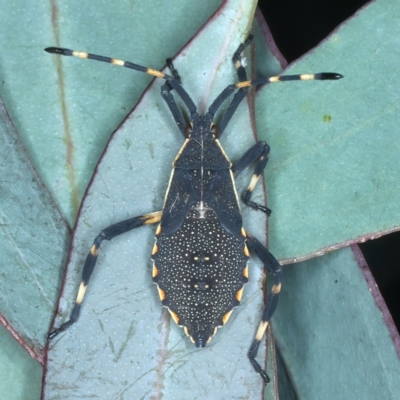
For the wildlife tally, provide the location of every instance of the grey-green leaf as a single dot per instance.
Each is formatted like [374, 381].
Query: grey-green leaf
[20, 375]
[333, 173]
[34, 241]
[334, 331]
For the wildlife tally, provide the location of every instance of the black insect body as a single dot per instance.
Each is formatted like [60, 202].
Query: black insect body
[200, 257]
[201, 251]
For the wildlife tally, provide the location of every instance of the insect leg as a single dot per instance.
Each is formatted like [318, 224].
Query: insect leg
[106, 234]
[174, 72]
[238, 60]
[171, 103]
[258, 153]
[175, 84]
[275, 269]
[239, 96]
[243, 84]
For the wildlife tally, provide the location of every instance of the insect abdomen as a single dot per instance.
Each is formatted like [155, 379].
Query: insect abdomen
[200, 271]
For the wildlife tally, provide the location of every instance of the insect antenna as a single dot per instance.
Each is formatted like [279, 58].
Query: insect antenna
[127, 64]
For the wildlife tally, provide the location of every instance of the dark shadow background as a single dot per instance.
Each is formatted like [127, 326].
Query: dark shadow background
[298, 26]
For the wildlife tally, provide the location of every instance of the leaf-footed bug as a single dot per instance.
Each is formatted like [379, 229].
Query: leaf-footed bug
[200, 258]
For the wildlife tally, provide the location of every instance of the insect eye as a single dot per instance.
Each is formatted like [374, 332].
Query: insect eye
[214, 130]
[189, 130]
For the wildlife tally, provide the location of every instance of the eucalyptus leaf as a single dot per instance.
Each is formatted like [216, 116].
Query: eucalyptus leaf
[334, 331]
[333, 174]
[20, 374]
[34, 241]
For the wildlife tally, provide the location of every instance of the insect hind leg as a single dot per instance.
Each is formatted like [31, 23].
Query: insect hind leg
[273, 266]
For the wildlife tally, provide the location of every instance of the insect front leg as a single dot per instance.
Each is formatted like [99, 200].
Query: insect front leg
[273, 266]
[173, 70]
[240, 95]
[106, 234]
[166, 94]
[238, 59]
[171, 103]
[258, 153]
